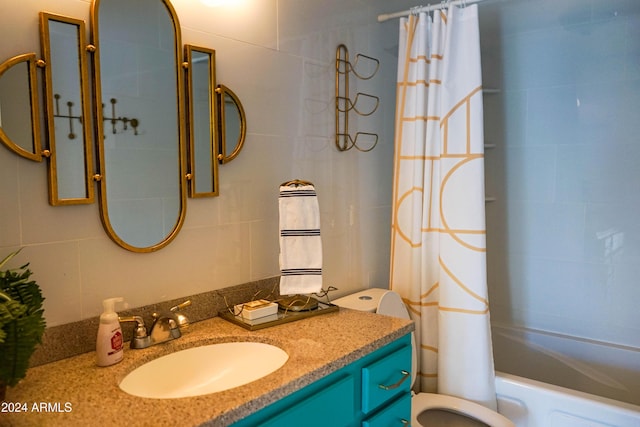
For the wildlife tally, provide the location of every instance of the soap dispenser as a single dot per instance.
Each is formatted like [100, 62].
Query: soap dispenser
[109, 342]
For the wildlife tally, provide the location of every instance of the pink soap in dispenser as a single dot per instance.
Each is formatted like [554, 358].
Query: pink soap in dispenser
[109, 342]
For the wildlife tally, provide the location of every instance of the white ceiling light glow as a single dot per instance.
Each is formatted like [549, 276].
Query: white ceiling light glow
[216, 3]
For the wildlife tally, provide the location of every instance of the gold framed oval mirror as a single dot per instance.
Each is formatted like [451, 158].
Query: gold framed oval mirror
[19, 106]
[139, 121]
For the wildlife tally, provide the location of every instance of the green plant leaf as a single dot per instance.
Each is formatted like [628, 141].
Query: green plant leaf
[22, 337]
[8, 257]
[22, 321]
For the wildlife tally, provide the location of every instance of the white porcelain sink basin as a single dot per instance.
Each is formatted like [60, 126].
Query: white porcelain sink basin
[203, 370]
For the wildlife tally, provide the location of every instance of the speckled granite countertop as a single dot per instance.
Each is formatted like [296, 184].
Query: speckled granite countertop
[75, 392]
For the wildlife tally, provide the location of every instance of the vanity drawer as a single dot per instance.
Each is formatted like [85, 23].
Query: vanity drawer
[385, 379]
[393, 415]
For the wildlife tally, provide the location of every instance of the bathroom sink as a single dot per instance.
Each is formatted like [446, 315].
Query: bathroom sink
[203, 370]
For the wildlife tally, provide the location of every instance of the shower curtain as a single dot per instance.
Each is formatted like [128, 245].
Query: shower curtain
[438, 254]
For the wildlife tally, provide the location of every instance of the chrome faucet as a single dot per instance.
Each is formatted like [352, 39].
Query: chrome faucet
[166, 327]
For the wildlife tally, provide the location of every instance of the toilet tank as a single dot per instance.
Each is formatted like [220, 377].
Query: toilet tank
[375, 300]
[366, 300]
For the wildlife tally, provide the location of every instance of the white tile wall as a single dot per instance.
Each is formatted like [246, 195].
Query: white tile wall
[563, 235]
[277, 55]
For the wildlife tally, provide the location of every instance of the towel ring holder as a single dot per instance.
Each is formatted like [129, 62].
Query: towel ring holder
[295, 183]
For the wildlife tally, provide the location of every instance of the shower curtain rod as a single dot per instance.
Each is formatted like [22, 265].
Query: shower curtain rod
[429, 8]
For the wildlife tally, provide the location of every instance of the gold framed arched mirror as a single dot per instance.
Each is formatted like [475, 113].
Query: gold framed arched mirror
[232, 124]
[139, 121]
[19, 107]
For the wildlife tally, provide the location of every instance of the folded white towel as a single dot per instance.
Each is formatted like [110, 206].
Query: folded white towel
[300, 243]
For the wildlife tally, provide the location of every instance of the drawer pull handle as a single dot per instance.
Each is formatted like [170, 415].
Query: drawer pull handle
[405, 375]
[404, 422]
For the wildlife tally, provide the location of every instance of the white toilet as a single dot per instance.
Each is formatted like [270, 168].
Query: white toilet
[426, 408]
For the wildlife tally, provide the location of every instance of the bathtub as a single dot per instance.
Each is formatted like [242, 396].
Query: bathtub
[595, 367]
[553, 380]
[530, 403]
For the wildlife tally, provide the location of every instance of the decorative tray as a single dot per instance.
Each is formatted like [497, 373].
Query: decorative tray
[282, 316]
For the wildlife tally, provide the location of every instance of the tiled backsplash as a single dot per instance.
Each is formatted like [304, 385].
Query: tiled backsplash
[75, 338]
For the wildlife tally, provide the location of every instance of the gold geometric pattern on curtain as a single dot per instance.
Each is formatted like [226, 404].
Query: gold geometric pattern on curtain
[438, 252]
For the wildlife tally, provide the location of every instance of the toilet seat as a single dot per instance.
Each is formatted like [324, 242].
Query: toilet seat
[424, 401]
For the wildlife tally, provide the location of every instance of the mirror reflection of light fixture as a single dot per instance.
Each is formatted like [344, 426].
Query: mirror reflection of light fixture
[126, 122]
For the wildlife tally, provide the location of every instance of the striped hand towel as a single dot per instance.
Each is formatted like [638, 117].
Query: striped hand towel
[300, 243]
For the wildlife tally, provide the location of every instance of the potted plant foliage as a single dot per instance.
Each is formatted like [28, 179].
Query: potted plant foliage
[21, 322]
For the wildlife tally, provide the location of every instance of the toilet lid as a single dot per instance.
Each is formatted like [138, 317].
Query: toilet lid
[425, 401]
[391, 304]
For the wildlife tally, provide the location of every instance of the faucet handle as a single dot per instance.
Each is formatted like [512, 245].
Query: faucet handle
[183, 321]
[185, 304]
[140, 338]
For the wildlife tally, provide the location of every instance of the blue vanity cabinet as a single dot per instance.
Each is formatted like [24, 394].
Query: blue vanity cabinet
[351, 396]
